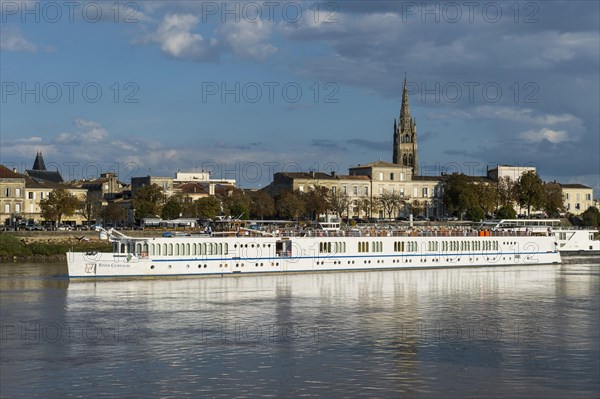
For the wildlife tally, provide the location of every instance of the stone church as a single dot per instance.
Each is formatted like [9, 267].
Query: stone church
[405, 137]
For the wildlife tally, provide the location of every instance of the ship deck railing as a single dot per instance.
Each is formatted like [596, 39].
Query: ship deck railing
[409, 233]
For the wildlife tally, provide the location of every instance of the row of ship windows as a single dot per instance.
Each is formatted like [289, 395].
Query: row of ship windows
[332, 247]
[412, 246]
[173, 249]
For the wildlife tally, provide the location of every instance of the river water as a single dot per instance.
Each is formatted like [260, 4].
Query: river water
[473, 332]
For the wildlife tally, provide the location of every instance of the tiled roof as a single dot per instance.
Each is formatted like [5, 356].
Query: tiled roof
[6, 173]
[380, 164]
[45, 175]
[573, 185]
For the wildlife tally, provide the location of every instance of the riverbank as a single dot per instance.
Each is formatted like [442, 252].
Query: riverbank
[16, 247]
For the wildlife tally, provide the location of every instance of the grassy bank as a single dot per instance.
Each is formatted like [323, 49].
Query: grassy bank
[14, 248]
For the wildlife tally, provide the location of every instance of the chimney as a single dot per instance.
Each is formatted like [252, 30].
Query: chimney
[333, 173]
[312, 174]
[14, 170]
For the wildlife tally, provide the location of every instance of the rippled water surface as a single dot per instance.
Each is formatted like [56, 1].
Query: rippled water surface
[471, 332]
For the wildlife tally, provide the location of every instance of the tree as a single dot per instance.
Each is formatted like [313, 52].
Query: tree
[475, 214]
[88, 208]
[290, 205]
[57, 204]
[553, 199]
[207, 207]
[173, 208]
[458, 194]
[339, 203]
[113, 213]
[506, 191]
[365, 205]
[317, 201]
[390, 202]
[261, 205]
[530, 191]
[485, 197]
[591, 217]
[237, 205]
[417, 207]
[506, 212]
[148, 201]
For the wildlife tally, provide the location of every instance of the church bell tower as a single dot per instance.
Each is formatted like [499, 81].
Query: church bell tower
[405, 136]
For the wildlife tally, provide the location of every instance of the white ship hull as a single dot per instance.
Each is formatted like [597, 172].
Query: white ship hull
[177, 256]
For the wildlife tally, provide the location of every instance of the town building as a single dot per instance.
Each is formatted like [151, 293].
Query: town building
[578, 198]
[12, 191]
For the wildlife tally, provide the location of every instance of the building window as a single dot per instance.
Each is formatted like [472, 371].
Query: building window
[41, 195]
[17, 208]
[380, 189]
[355, 190]
[366, 190]
[588, 197]
[301, 188]
[7, 192]
[567, 195]
[391, 176]
[401, 176]
[31, 195]
[17, 192]
[425, 192]
[577, 206]
[402, 192]
[344, 190]
[6, 208]
[415, 192]
[380, 175]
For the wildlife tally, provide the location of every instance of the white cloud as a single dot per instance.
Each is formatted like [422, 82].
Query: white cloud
[526, 115]
[175, 37]
[11, 39]
[88, 132]
[247, 39]
[553, 136]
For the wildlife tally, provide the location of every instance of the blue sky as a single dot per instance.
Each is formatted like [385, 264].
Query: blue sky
[152, 87]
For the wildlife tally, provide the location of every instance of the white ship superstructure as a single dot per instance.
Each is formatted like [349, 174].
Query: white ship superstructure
[325, 251]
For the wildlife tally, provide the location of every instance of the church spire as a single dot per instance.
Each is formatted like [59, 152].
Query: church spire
[405, 109]
[39, 164]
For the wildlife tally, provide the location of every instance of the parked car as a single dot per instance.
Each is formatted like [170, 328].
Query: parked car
[64, 227]
[33, 227]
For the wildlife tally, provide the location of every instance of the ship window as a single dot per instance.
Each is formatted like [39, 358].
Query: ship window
[123, 250]
[188, 252]
[176, 249]
[226, 248]
[171, 249]
[194, 249]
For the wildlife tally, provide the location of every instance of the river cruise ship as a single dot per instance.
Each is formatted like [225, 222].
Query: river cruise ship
[249, 252]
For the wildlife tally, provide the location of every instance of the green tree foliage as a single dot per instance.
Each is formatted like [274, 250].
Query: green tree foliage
[148, 201]
[591, 217]
[475, 214]
[58, 204]
[506, 191]
[290, 205]
[207, 207]
[113, 213]
[458, 194]
[530, 191]
[317, 201]
[506, 212]
[553, 199]
[237, 205]
[261, 205]
[173, 208]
